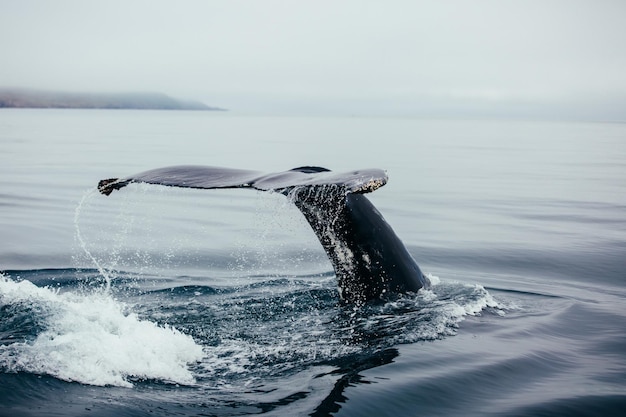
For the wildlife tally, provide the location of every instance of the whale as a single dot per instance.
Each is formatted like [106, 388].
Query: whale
[369, 259]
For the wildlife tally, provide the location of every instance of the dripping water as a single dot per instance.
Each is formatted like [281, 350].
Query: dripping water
[79, 237]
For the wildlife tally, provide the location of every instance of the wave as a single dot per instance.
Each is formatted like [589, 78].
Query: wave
[89, 338]
[214, 337]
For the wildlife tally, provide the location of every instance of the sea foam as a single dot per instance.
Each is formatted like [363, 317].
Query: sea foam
[93, 339]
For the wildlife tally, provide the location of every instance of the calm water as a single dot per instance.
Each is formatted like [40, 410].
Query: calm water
[157, 301]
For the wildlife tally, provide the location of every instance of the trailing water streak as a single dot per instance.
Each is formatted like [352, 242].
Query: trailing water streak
[82, 242]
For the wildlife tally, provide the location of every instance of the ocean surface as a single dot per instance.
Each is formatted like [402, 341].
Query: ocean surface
[157, 301]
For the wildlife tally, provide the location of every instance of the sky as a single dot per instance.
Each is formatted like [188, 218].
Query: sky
[441, 58]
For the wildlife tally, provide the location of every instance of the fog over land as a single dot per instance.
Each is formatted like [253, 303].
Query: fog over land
[44, 99]
[485, 58]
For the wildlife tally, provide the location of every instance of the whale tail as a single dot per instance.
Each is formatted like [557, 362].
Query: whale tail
[369, 259]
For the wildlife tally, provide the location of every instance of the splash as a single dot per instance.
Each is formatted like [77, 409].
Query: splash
[79, 237]
[90, 339]
[260, 332]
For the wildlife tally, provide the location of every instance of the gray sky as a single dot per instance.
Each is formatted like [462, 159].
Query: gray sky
[457, 58]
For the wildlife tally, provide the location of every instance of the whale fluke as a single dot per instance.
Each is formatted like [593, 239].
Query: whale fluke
[369, 259]
[190, 176]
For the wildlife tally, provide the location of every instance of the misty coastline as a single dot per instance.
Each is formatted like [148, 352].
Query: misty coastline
[38, 99]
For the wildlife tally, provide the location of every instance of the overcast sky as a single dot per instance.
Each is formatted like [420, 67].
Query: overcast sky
[339, 57]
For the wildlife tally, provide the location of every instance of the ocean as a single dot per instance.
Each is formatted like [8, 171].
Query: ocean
[157, 301]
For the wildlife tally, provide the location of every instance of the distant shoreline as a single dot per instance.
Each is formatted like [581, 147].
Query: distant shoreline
[39, 99]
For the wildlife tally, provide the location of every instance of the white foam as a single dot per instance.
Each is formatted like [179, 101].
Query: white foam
[434, 279]
[473, 304]
[92, 339]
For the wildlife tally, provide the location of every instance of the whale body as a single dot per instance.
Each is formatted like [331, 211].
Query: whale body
[370, 261]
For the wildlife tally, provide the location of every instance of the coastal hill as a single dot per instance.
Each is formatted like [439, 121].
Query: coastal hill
[27, 98]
